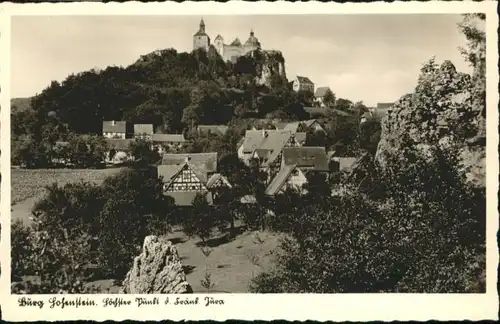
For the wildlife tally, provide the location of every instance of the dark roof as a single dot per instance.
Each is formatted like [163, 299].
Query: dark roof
[274, 144]
[317, 111]
[385, 105]
[311, 157]
[205, 162]
[294, 125]
[168, 171]
[321, 91]
[252, 140]
[174, 138]
[267, 143]
[114, 126]
[140, 129]
[215, 129]
[279, 180]
[236, 42]
[186, 198]
[381, 110]
[118, 144]
[303, 79]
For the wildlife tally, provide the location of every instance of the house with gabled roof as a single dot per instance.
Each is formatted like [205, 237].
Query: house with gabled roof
[382, 109]
[168, 142]
[186, 175]
[213, 129]
[310, 123]
[296, 163]
[143, 131]
[118, 150]
[319, 95]
[266, 147]
[301, 83]
[116, 129]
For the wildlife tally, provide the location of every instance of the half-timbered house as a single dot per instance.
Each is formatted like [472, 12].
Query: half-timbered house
[186, 175]
[266, 147]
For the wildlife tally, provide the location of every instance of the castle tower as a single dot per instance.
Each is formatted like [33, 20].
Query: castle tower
[219, 45]
[252, 43]
[201, 39]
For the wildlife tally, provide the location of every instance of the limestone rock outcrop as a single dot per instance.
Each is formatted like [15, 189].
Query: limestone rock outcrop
[446, 110]
[269, 64]
[157, 270]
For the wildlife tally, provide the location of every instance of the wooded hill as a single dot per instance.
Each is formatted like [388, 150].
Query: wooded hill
[171, 90]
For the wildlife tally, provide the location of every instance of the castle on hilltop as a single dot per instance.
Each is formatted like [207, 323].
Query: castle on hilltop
[229, 52]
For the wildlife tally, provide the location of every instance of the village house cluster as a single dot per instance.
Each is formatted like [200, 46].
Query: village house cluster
[279, 149]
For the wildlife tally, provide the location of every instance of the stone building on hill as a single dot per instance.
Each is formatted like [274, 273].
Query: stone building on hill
[200, 38]
[231, 52]
[302, 83]
[319, 95]
[228, 52]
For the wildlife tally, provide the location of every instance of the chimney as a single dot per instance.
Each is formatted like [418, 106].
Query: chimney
[264, 132]
[187, 159]
[113, 123]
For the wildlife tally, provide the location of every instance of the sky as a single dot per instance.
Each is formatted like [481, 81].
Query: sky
[369, 58]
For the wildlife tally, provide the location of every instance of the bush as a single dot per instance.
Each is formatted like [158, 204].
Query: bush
[427, 236]
[81, 225]
[21, 251]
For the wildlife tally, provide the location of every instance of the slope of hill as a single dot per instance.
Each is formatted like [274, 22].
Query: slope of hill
[20, 104]
[171, 90]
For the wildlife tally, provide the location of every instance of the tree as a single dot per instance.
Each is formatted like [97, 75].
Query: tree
[21, 251]
[369, 134]
[200, 219]
[143, 152]
[134, 207]
[329, 98]
[325, 252]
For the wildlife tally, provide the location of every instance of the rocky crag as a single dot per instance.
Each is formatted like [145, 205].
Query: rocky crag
[446, 110]
[157, 270]
[269, 64]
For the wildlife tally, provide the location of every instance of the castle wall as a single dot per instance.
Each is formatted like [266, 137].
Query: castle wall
[231, 53]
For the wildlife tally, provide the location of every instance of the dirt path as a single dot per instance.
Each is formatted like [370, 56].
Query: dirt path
[22, 210]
